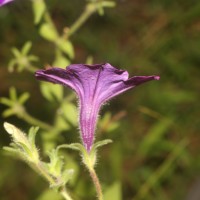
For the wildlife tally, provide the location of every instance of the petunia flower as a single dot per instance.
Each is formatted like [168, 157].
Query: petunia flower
[94, 85]
[2, 2]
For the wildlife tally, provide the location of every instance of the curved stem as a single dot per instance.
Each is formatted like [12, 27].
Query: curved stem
[96, 182]
[89, 10]
[64, 193]
[41, 169]
[28, 118]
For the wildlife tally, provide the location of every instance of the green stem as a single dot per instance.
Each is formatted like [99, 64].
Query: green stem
[41, 169]
[96, 182]
[64, 193]
[31, 120]
[89, 10]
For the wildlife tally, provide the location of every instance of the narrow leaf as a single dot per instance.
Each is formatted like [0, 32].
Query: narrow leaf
[26, 48]
[48, 32]
[39, 8]
[66, 46]
[101, 143]
[6, 101]
[32, 134]
[23, 98]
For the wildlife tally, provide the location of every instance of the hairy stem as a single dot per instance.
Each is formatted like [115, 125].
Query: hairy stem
[64, 193]
[43, 172]
[96, 182]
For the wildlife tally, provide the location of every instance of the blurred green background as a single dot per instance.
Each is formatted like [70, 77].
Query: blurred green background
[155, 128]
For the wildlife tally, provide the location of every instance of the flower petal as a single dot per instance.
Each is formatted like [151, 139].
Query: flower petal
[2, 2]
[94, 85]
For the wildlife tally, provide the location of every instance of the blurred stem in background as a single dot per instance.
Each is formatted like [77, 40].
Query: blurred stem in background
[156, 176]
[90, 8]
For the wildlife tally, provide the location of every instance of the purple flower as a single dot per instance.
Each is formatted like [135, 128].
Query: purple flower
[2, 2]
[94, 85]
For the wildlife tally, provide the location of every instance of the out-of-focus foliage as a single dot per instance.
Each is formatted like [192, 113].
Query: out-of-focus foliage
[155, 129]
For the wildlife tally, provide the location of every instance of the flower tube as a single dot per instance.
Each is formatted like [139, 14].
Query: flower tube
[94, 85]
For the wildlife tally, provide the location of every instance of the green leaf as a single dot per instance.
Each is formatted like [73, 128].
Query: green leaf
[6, 101]
[26, 48]
[101, 143]
[66, 46]
[16, 52]
[89, 60]
[113, 192]
[45, 90]
[23, 98]
[21, 143]
[8, 112]
[51, 92]
[11, 150]
[107, 124]
[70, 112]
[33, 58]
[24, 148]
[48, 32]
[11, 65]
[100, 10]
[39, 8]
[61, 124]
[113, 126]
[13, 94]
[110, 4]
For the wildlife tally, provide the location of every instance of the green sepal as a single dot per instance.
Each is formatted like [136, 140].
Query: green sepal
[73, 146]
[88, 158]
[100, 143]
